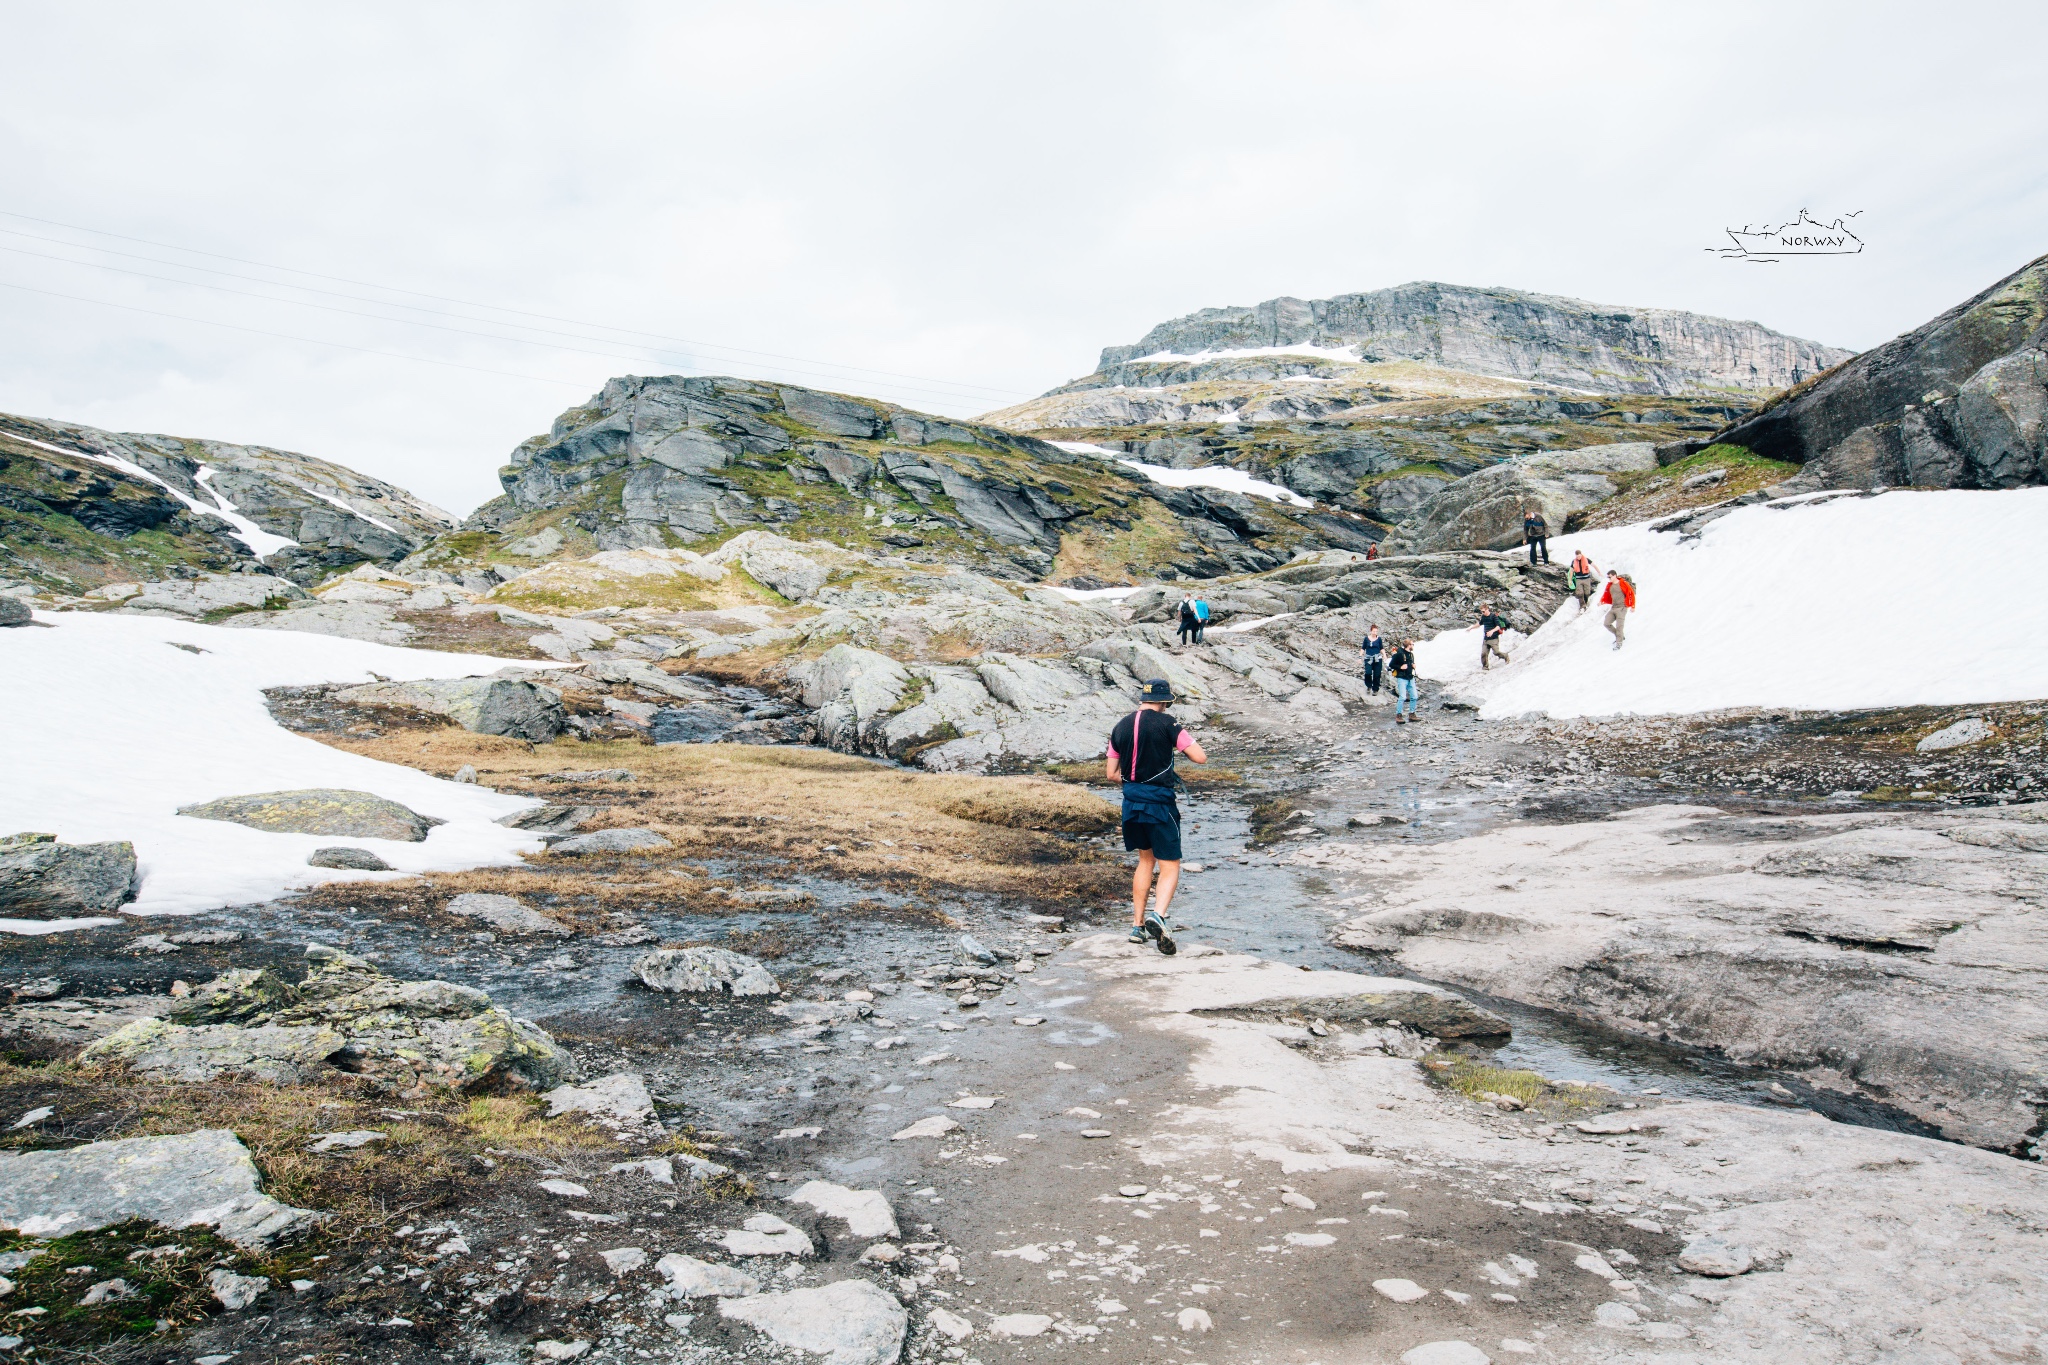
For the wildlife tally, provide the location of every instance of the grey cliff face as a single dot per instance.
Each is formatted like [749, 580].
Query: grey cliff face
[1959, 402]
[1500, 332]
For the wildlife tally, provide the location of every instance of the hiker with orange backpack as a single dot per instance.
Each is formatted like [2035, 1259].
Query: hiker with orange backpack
[1620, 600]
[1580, 579]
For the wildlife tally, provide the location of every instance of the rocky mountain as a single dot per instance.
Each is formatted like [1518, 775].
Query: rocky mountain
[1959, 402]
[676, 462]
[1288, 358]
[81, 507]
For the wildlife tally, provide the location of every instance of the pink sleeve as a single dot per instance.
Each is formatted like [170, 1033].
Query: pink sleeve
[1185, 742]
[1114, 755]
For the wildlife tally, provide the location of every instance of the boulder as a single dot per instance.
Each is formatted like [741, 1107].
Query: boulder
[15, 612]
[488, 706]
[700, 970]
[44, 879]
[212, 593]
[504, 913]
[204, 1178]
[1958, 402]
[352, 859]
[611, 841]
[1715, 1257]
[866, 1213]
[319, 810]
[401, 1033]
[178, 1052]
[848, 1323]
[1483, 511]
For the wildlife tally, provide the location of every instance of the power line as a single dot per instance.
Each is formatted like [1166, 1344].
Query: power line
[643, 351]
[286, 336]
[470, 303]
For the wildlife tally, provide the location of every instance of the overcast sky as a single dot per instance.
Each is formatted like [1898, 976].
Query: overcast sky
[951, 205]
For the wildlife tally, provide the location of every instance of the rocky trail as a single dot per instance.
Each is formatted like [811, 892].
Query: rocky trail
[1270, 1147]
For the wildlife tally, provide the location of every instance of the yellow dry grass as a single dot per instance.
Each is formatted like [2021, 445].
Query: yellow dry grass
[821, 812]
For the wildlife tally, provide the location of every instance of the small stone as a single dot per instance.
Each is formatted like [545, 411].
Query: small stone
[466, 774]
[1297, 1201]
[866, 1213]
[621, 1097]
[851, 1322]
[972, 1102]
[1111, 1307]
[507, 914]
[1644, 1224]
[950, 1324]
[1616, 1315]
[567, 1189]
[623, 1261]
[1028, 1020]
[610, 841]
[766, 1235]
[333, 1142]
[1714, 1257]
[1131, 1191]
[1446, 1353]
[352, 859]
[1310, 1239]
[1594, 1265]
[235, 1292]
[882, 1253]
[703, 971]
[103, 1292]
[938, 1125]
[690, 1278]
[1194, 1320]
[551, 1349]
[32, 1118]
[1096, 1133]
[1515, 1346]
[1020, 1325]
[1400, 1291]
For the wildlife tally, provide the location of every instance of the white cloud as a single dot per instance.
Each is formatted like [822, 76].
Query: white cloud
[982, 195]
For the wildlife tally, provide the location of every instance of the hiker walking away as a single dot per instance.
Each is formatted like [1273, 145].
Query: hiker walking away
[1492, 628]
[1582, 578]
[1402, 666]
[1620, 600]
[1201, 618]
[1190, 627]
[1536, 533]
[1142, 748]
[1375, 659]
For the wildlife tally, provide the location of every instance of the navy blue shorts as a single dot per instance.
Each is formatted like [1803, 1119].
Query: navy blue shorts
[1163, 839]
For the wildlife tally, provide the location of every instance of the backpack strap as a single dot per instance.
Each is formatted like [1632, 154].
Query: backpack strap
[1136, 716]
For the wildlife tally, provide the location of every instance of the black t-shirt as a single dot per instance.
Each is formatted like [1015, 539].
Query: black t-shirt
[1493, 625]
[1403, 664]
[1158, 738]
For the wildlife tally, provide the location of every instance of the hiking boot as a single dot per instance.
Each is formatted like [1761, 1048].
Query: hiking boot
[1138, 935]
[1155, 927]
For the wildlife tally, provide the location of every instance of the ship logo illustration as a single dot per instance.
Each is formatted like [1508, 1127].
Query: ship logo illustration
[1801, 237]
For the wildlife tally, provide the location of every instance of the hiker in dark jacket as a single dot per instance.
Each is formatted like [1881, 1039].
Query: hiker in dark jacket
[1492, 629]
[1142, 748]
[1190, 624]
[1402, 666]
[1536, 533]
[1375, 659]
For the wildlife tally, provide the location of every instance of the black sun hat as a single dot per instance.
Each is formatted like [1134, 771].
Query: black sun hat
[1156, 690]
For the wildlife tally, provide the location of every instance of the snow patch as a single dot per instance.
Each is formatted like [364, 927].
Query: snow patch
[109, 729]
[1906, 599]
[1218, 476]
[1342, 355]
[259, 541]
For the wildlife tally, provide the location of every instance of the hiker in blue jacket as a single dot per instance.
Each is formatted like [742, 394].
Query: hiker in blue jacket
[1142, 748]
[1201, 618]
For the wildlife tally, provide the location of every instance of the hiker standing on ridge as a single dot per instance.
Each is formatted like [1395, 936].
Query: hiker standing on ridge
[1201, 609]
[1620, 600]
[1536, 532]
[1492, 628]
[1582, 578]
[1190, 628]
[1142, 748]
[1375, 659]
[1402, 666]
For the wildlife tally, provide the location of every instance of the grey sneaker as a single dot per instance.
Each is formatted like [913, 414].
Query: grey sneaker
[1156, 928]
[1138, 935]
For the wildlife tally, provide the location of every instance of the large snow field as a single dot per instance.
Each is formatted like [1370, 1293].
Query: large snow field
[108, 728]
[1904, 599]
